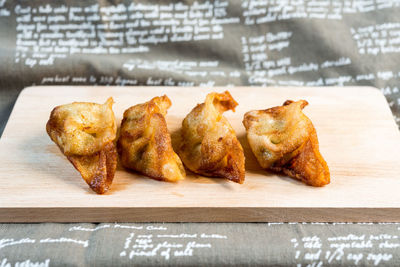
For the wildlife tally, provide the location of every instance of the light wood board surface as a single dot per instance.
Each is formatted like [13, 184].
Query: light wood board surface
[357, 134]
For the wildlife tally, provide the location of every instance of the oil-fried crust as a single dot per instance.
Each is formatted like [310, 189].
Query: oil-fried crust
[284, 140]
[98, 169]
[85, 133]
[82, 128]
[209, 145]
[144, 143]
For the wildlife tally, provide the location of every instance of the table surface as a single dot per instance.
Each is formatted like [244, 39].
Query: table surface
[248, 43]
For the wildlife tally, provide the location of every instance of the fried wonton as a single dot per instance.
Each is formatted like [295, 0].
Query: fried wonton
[85, 133]
[209, 144]
[283, 139]
[144, 143]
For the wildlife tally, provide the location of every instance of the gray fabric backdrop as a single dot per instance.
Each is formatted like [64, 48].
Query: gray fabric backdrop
[205, 244]
[207, 43]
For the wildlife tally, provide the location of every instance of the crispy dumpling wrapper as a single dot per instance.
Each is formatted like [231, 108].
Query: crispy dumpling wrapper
[209, 145]
[82, 128]
[85, 133]
[283, 139]
[144, 143]
[98, 169]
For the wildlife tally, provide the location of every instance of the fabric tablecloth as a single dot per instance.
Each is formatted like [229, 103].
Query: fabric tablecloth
[199, 43]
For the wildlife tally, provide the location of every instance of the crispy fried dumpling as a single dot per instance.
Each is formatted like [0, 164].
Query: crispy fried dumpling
[209, 145]
[145, 145]
[283, 139]
[85, 133]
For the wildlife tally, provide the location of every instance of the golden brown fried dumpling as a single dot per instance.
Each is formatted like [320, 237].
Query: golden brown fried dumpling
[284, 139]
[209, 144]
[85, 133]
[144, 144]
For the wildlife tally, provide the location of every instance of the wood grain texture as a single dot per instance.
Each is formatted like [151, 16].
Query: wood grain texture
[358, 138]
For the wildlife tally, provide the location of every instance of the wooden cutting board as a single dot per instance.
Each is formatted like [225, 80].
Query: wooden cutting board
[358, 138]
